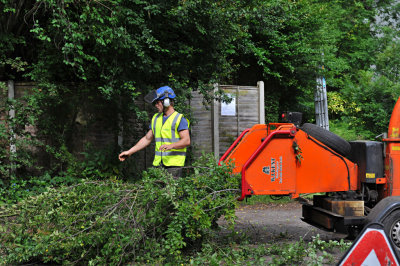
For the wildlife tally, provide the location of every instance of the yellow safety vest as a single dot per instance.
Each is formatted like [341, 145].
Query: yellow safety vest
[167, 133]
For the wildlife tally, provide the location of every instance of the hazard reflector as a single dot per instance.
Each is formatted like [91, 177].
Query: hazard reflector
[372, 248]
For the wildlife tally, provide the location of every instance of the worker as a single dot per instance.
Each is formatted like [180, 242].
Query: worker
[170, 130]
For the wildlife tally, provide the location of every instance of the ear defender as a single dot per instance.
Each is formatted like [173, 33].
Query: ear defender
[166, 102]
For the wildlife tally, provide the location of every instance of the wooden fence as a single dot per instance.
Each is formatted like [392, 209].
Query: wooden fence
[219, 124]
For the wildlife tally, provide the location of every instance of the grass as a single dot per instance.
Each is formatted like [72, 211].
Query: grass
[236, 249]
[265, 199]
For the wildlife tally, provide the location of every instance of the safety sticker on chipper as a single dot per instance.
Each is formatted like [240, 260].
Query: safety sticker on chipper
[274, 169]
[370, 175]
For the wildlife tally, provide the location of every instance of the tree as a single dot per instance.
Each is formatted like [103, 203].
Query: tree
[112, 52]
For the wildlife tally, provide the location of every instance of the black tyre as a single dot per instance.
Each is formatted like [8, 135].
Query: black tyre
[391, 226]
[328, 138]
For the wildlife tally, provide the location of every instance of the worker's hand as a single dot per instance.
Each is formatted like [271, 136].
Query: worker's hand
[165, 147]
[123, 155]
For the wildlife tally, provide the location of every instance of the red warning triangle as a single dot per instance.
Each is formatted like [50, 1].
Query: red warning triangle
[372, 248]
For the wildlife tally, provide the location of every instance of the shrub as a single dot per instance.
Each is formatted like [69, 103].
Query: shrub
[106, 222]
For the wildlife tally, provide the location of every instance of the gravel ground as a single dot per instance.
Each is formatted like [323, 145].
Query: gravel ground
[278, 223]
[271, 221]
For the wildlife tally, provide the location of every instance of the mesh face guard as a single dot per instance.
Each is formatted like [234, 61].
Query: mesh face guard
[151, 96]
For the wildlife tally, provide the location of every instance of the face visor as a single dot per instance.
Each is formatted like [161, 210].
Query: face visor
[160, 94]
[151, 96]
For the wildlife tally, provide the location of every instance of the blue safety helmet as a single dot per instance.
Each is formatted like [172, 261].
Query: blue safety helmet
[160, 94]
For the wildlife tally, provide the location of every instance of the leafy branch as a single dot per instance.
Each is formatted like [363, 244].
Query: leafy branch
[106, 222]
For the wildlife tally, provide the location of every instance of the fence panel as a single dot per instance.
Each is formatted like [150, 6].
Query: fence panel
[217, 126]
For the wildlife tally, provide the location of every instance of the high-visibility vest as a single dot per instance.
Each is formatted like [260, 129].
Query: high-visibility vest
[167, 133]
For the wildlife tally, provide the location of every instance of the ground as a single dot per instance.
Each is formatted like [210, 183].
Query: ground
[279, 223]
[270, 221]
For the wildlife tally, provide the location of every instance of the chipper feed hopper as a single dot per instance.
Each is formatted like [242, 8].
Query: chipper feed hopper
[355, 182]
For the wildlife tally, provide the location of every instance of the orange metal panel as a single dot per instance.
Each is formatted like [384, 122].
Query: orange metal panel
[276, 170]
[246, 147]
[250, 142]
[273, 172]
[322, 170]
[381, 180]
[278, 159]
[392, 158]
[392, 174]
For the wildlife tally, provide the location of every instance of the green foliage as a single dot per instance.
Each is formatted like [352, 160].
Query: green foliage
[350, 132]
[94, 164]
[41, 156]
[238, 251]
[19, 189]
[365, 104]
[375, 96]
[99, 58]
[338, 105]
[12, 35]
[345, 118]
[286, 43]
[110, 222]
[16, 138]
[19, 186]
[367, 95]
[108, 44]
[81, 53]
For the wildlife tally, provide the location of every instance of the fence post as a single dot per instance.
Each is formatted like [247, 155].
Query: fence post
[11, 114]
[237, 101]
[215, 124]
[261, 109]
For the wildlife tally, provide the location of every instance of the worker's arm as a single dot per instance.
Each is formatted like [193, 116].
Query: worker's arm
[142, 143]
[182, 143]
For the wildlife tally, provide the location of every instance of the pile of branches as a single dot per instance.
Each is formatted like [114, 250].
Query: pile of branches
[110, 222]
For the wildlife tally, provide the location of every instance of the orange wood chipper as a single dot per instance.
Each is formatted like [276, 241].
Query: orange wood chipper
[355, 182]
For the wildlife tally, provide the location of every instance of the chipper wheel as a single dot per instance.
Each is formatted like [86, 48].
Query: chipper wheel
[392, 228]
[328, 138]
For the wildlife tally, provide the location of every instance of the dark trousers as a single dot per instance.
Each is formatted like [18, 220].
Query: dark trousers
[175, 171]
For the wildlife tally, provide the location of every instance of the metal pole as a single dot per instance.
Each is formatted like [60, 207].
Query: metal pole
[321, 103]
[325, 104]
[317, 104]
